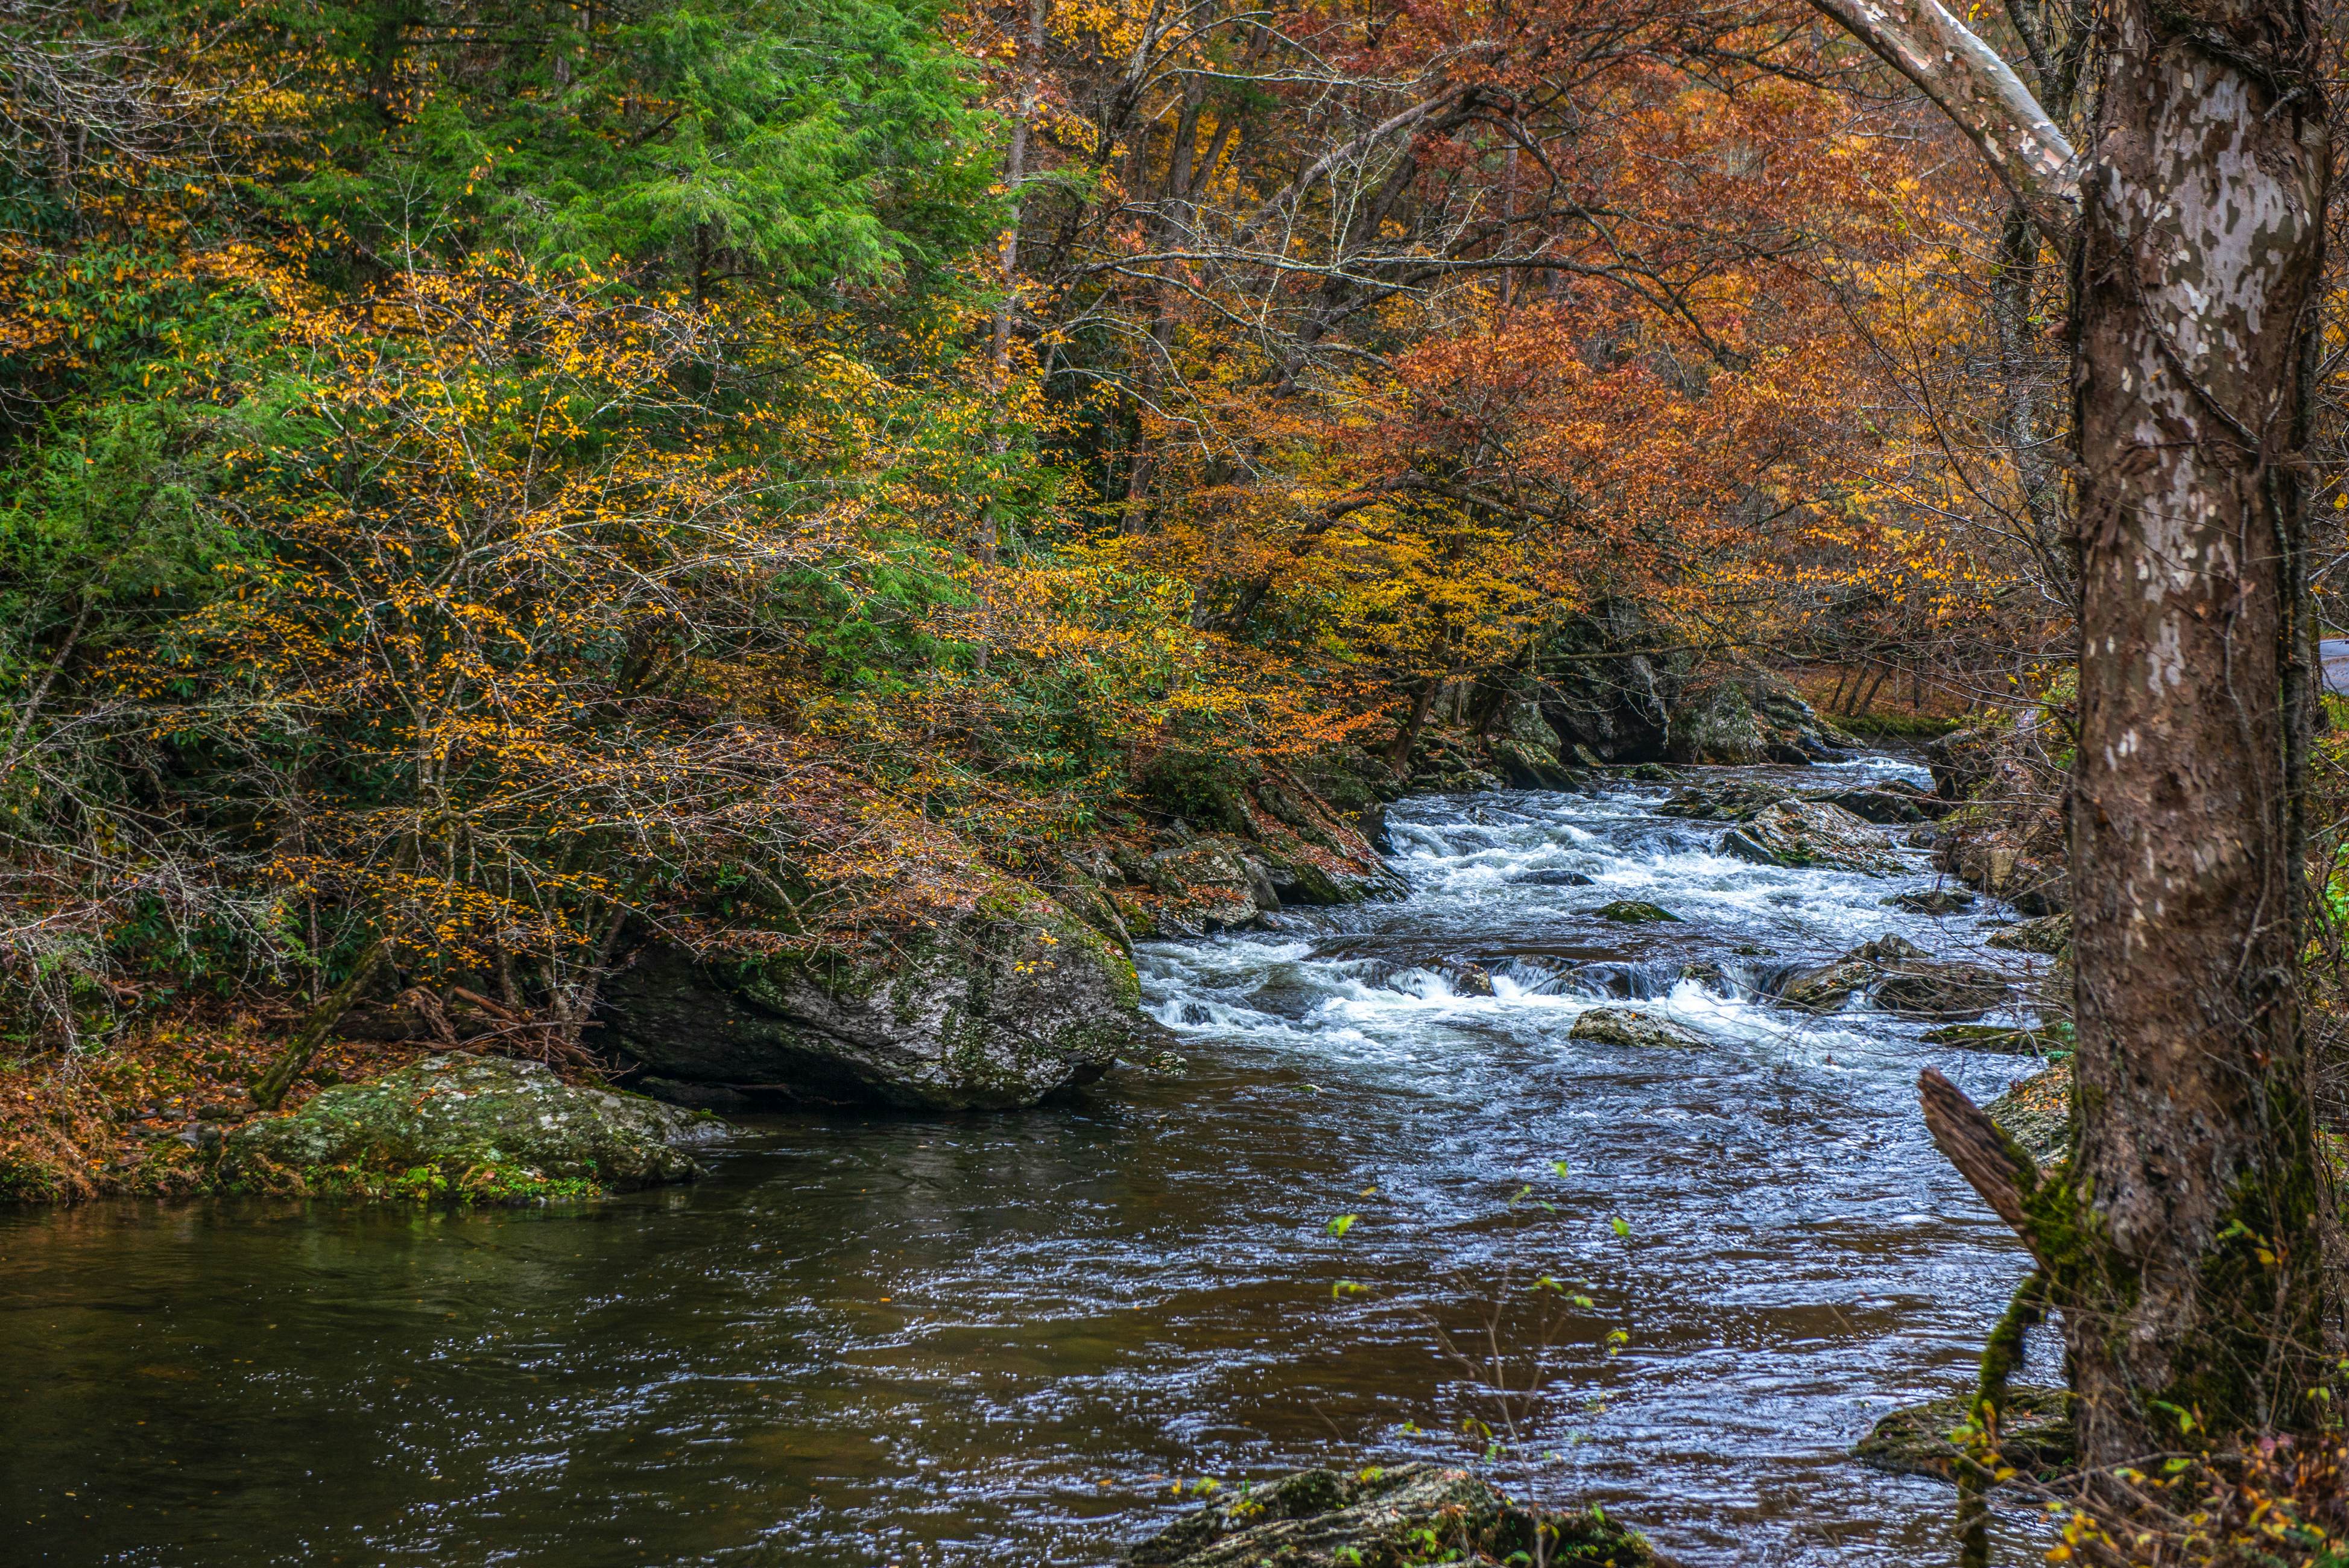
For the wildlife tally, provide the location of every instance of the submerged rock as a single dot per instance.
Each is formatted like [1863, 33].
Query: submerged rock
[1806, 833]
[469, 1126]
[1632, 912]
[1382, 1519]
[993, 1011]
[2034, 1436]
[1622, 1026]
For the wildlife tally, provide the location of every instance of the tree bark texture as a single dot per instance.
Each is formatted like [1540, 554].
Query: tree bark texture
[2193, 1281]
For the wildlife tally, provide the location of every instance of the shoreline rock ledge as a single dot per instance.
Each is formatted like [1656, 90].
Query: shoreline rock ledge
[1382, 1519]
[992, 1012]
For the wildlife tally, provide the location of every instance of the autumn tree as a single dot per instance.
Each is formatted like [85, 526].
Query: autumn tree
[2183, 1243]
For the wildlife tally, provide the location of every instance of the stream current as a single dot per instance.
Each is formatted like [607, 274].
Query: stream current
[1002, 1339]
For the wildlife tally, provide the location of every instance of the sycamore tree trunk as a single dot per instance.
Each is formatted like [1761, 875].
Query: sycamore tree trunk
[2198, 1280]
[2182, 1245]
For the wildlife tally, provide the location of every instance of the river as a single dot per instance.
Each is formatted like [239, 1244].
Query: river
[1003, 1339]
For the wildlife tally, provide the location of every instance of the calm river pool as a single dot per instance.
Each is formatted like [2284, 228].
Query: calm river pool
[1002, 1339]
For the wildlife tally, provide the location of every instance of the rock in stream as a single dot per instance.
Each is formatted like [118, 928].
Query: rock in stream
[1405, 1514]
[469, 1126]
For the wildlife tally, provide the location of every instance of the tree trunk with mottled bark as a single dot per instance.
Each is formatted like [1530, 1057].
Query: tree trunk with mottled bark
[2183, 1243]
[2198, 1283]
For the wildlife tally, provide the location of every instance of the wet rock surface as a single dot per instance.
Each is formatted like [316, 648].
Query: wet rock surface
[1623, 1026]
[488, 1124]
[1900, 977]
[1374, 1518]
[1809, 835]
[2034, 1436]
[1934, 901]
[1636, 911]
[995, 1011]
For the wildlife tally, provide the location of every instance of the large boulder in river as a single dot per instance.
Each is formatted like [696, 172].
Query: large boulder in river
[1898, 977]
[1808, 833]
[468, 1126]
[995, 1010]
[1382, 1519]
[1726, 800]
[1624, 1026]
[1740, 715]
[1889, 803]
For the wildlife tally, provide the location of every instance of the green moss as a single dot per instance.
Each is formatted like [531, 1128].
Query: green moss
[462, 1186]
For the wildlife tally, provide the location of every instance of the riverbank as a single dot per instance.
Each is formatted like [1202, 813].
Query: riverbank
[955, 1339]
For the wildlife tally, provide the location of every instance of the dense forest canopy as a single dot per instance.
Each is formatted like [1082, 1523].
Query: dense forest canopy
[495, 470]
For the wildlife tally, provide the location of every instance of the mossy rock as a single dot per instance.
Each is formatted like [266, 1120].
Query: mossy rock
[1374, 1518]
[1812, 834]
[2034, 1436]
[994, 1011]
[467, 1127]
[1632, 912]
[2037, 1114]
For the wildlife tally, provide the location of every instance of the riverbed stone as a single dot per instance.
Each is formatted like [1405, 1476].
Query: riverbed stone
[1726, 800]
[469, 1126]
[1891, 802]
[2034, 1436]
[1900, 977]
[1936, 901]
[1377, 1517]
[1811, 834]
[992, 1011]
[1635, 912]
[1625, 1026]
[1549, 876]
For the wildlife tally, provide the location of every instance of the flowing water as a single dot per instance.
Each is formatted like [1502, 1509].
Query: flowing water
[1002, 1339]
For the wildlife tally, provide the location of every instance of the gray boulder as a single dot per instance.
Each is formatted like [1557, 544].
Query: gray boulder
[1730, 800]
[1377, 1517]
[468, 1126]
[1898, 977]
[1809, 833]
[993, 1011]
[1891, 803]
[1717, 723]
[1933, 901]
[1622, 1026]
